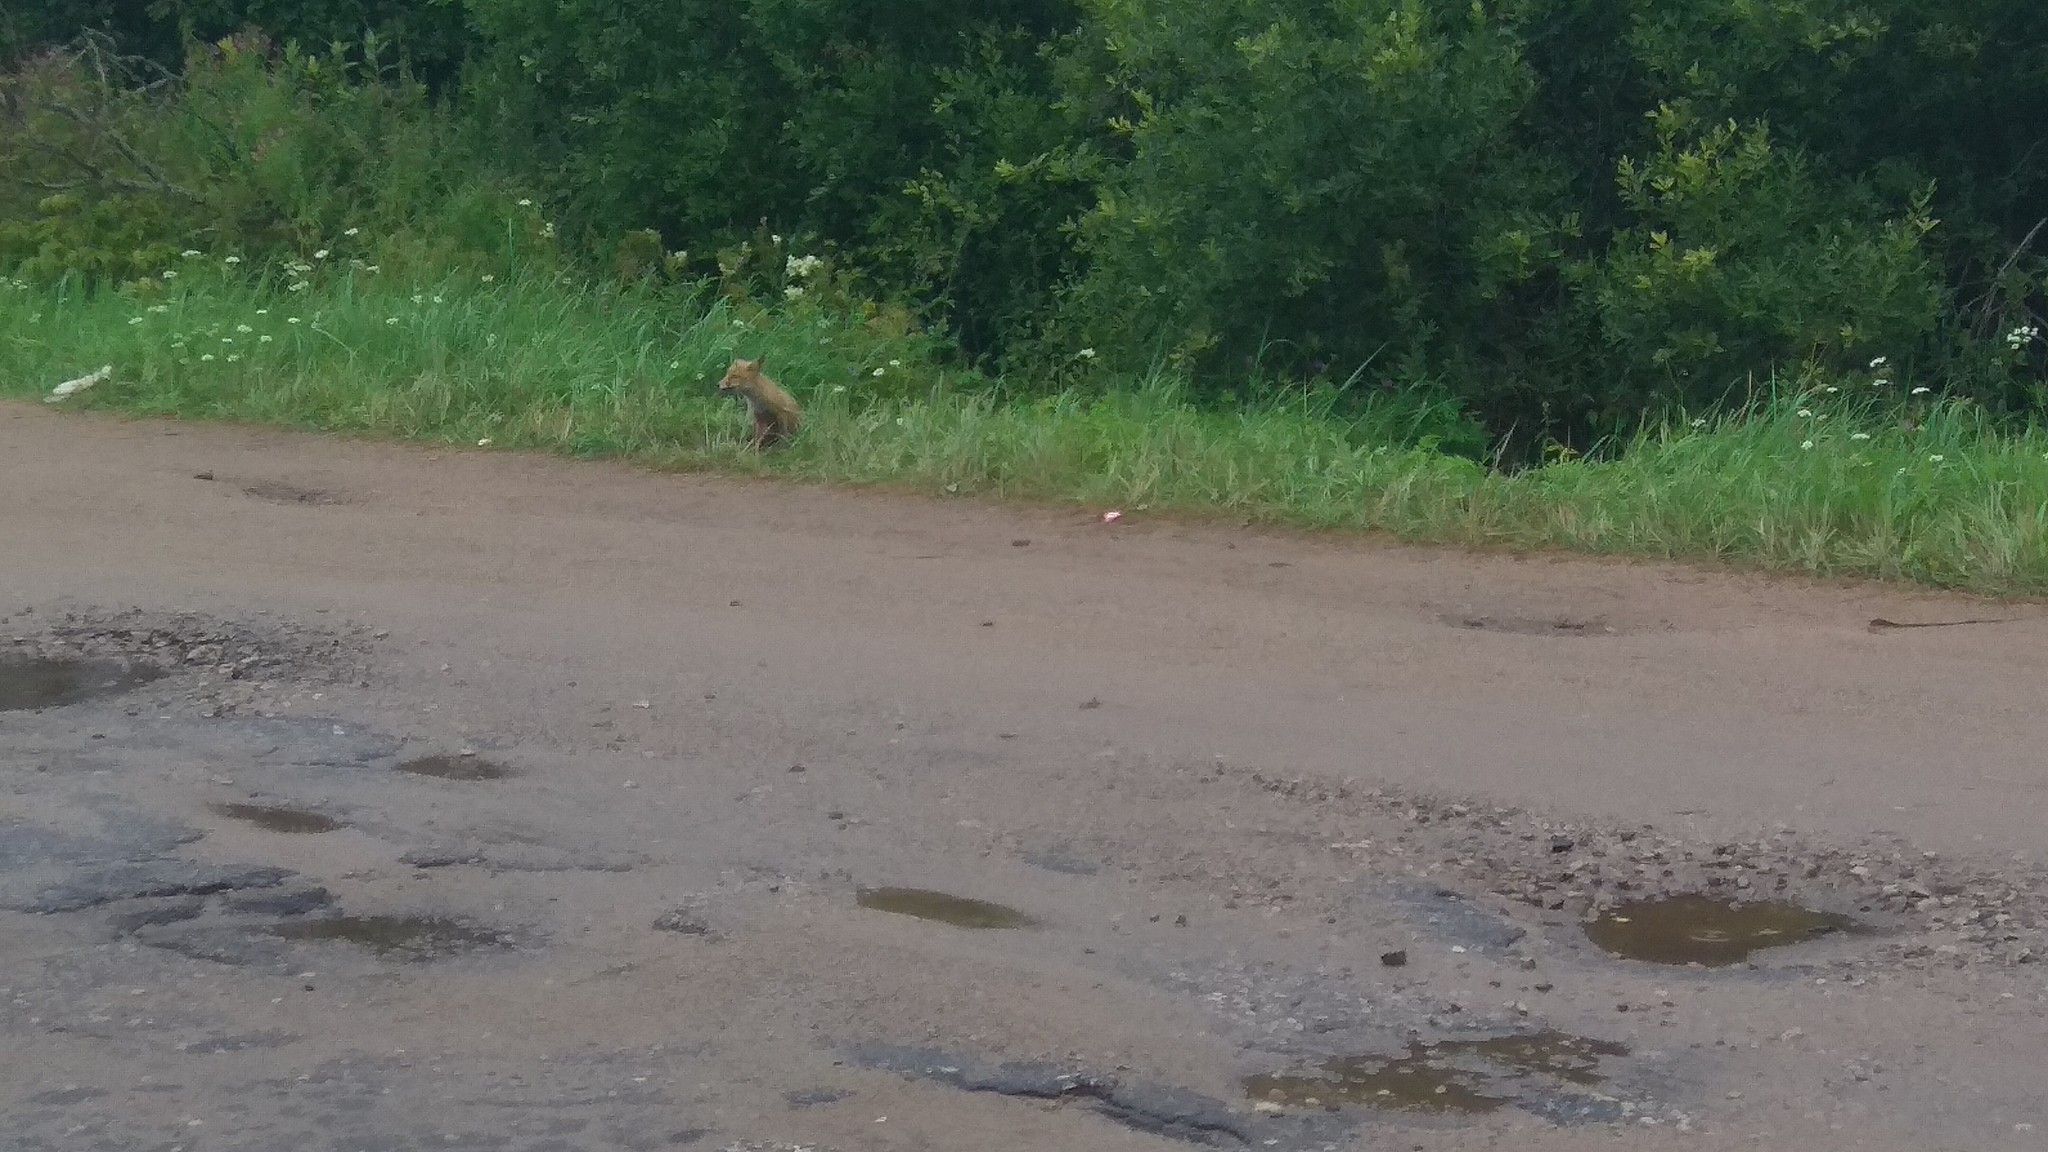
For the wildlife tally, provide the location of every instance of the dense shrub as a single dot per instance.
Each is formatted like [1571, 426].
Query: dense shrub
[109, 170]
[1317, 186]
[431, 36]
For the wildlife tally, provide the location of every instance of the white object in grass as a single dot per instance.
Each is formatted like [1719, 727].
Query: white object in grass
[79, 385]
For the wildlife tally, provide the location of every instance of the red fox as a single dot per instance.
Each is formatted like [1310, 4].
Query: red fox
[775, 412]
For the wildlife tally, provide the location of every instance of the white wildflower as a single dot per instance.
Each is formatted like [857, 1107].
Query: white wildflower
[320, 255]
[170, 275]
[878, 371]
[1878, 362]
[1699, 421]
[793, 292]
[234, 356]
[1879, 382]
[135, 319]
[1831, 389]
[488, 277]
[206, 355]
[525, 203]
[1859, 435]
[232, 260]
[369, 267]
[417, 298]
[1806, 411]
[1937, 458]
[263, 311]
[244, 329]
[391, 319]
[189, 253]
[1922, 390]
[291, 319]
[299, 285]
[895, 363]
[1807, 444]
[159, 309]
[1087, 353]
[437, 299]
[350, 231]
[263, 339]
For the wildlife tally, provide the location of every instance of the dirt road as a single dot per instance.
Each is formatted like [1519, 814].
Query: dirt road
[371, 797]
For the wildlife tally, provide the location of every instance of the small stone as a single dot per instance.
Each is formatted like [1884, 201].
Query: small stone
[1395, 959]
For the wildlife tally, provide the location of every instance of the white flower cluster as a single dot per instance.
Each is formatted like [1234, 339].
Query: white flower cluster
[2021, 336]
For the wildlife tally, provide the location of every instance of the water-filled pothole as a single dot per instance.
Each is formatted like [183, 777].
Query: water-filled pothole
[446, 767]
[925, 904]
[277, 819]
[1463, 1076]
[45, 682]
[1703, 930]
[396, 937]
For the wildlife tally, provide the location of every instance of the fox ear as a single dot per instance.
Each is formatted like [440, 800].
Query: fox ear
[758, 361]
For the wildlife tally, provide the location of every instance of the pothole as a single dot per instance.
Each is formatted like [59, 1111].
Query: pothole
[278, 492]
[28, 685]
[1531, 625]
[248, 649]
[276, 819]
[925, 904]
[1450, 1076]
[396, 937]
[459, 767]
[1696, 929]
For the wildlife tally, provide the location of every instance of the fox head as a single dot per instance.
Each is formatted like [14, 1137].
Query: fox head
[742, 373]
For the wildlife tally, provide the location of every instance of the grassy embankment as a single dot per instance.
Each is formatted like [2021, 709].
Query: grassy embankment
[1825, 482]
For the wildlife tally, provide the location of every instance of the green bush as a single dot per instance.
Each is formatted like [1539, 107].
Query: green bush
[253, 152]
[431, 36]
[1312, 186]
[1740, 261]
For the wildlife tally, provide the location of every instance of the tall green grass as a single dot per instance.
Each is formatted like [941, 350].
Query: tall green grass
[1829, 480]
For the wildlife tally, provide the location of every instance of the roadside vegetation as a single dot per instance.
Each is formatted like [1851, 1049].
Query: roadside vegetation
[1508, 277]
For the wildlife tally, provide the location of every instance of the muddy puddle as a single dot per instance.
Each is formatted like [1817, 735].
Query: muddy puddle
[459, 767]
[1450, 1076]
[396, 937]
[27, 685]
[1705, 931]
[272, 819]
[925, 904]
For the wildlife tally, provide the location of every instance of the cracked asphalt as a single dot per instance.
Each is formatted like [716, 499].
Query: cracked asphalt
[378, 798]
